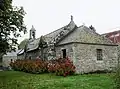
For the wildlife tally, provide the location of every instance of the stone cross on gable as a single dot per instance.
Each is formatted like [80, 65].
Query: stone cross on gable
[71, 18]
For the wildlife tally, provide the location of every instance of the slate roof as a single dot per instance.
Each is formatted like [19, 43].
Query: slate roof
[52, 37]
[58, 34]
[113, 36]
[33, 44]
[85, 35]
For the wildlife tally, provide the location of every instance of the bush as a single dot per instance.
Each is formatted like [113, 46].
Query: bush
[31, 66]
[62, 67]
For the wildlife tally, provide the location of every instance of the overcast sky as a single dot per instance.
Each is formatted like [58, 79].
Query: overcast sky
[49, 15]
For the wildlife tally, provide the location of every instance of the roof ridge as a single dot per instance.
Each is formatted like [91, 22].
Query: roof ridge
[60, 28]
[55, 30]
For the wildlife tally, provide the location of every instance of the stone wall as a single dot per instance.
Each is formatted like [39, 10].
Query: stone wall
[7, 59]
[33, 54]
[69, 51]
[21, 56]
[86, 58]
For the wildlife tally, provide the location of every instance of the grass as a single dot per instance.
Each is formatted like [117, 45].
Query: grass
[21, 80]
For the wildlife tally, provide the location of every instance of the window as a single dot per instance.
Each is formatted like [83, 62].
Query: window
[1, 60]
[30, 57]
[11, 60]
[99, 54]
[64, 53]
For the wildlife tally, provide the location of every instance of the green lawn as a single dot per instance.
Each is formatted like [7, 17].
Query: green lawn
[21, 80]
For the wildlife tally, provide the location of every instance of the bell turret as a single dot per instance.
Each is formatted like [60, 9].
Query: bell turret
[32, 32]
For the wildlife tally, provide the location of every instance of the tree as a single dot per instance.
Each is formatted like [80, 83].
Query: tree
[23, 44]
[11, 25]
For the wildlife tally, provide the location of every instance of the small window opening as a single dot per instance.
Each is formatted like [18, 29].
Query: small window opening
[64, 53]
[99, 54]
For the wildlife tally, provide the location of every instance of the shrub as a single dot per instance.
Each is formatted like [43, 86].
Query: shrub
[62, 67]
[31, 66]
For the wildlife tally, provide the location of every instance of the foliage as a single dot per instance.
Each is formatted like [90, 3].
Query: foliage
[21, 80]
[23, 44]
[30, 66]
[5, 4]
[11, 25]
[62, 67]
